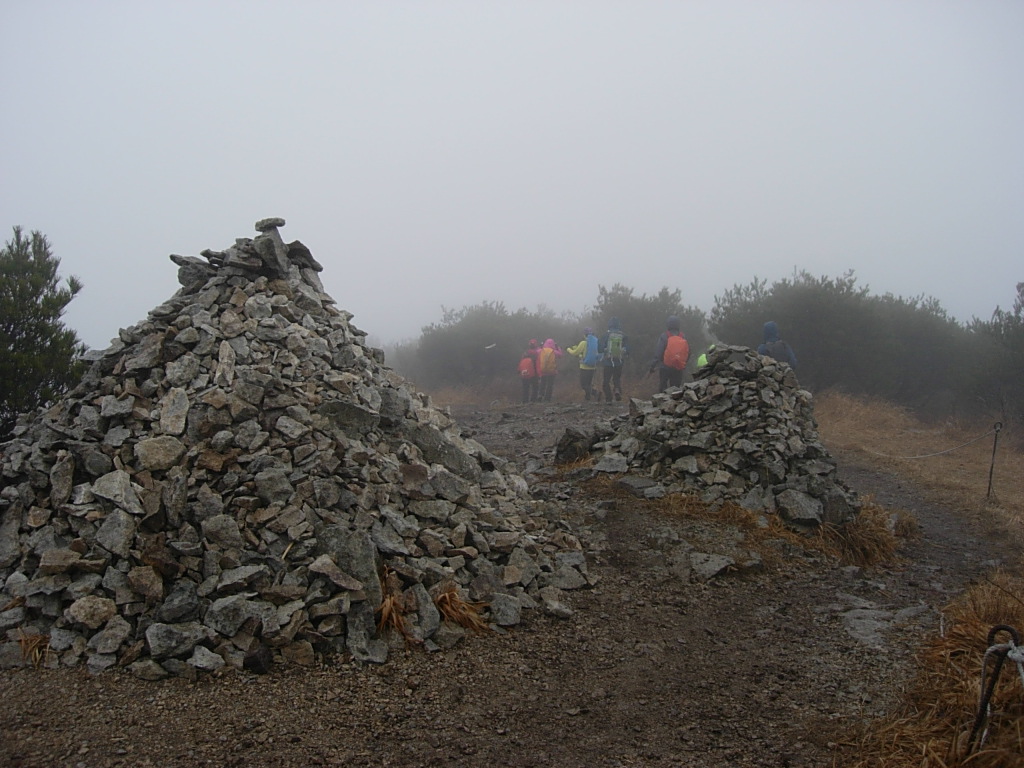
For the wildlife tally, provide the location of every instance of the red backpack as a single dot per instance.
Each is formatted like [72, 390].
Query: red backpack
[677, 352]
[527, 370]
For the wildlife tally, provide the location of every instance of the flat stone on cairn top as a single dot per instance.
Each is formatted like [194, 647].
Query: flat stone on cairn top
[264, 225]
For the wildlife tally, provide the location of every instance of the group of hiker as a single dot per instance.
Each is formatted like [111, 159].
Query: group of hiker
[538, 367]
[537, 370]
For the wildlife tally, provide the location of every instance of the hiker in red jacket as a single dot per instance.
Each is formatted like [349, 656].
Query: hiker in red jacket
[671, 355]
[528, 372]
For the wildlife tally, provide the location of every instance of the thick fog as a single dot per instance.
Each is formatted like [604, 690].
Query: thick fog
[440, 154]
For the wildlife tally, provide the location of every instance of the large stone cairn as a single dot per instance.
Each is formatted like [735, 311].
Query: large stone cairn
[741, 431]
[240, 479]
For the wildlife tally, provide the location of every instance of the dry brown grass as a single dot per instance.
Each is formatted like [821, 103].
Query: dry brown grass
[391, 614]
[453, 607]
[871, 538]
[933, 728]
[750, 523]
[490, 396]
[570, 466]
[460, 611]
[947, 461]
[14, 603]
[35, 648]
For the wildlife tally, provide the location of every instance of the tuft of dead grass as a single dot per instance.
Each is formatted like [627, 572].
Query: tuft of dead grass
[460, 611]
[932, 728]
[872, 538]
[14, 603]
[35, 648]
[905, 525]
[569, 466]
[391, 614]
[689, 506]
[869, 539]
[453, 607]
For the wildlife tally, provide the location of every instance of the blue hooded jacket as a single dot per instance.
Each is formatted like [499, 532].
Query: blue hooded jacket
[775, 347]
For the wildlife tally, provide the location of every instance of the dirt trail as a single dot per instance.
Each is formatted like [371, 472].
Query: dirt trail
[651, 669]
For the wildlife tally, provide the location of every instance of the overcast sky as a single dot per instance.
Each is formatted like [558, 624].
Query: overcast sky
[440, 154]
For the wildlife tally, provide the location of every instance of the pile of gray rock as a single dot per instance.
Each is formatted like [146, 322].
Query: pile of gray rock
[741, 431]
[239, 479]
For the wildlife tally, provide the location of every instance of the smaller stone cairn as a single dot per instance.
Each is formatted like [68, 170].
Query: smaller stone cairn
[239, 479]
[741, 431]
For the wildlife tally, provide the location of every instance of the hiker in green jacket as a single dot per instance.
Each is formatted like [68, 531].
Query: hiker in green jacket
[612, 351]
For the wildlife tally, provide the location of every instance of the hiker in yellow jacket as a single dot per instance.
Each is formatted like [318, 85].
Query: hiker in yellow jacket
[586, 351]
[703, 359]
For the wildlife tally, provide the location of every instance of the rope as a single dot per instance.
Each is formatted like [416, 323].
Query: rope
[1001, 652]
[993, 431]
[1016, 655]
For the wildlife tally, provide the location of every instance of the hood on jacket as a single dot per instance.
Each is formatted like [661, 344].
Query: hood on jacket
[771, 332]
[673, 323]
[533, 343]
[614, 324]
[550, 343]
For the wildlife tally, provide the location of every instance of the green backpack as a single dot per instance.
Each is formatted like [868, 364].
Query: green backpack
[615, 345]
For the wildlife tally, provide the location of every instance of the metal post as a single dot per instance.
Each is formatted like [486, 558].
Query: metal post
[995, 441]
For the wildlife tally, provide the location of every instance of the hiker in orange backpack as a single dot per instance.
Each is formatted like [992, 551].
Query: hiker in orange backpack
[528, 372]
[547, 369]
[670, 358]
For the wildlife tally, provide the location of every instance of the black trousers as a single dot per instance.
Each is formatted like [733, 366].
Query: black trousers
[669, 377]
[547, 387]
[587, 382]
[612, 380]
[530, 390]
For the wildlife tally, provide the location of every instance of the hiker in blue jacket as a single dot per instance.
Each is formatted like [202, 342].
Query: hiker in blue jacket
[775, 347]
